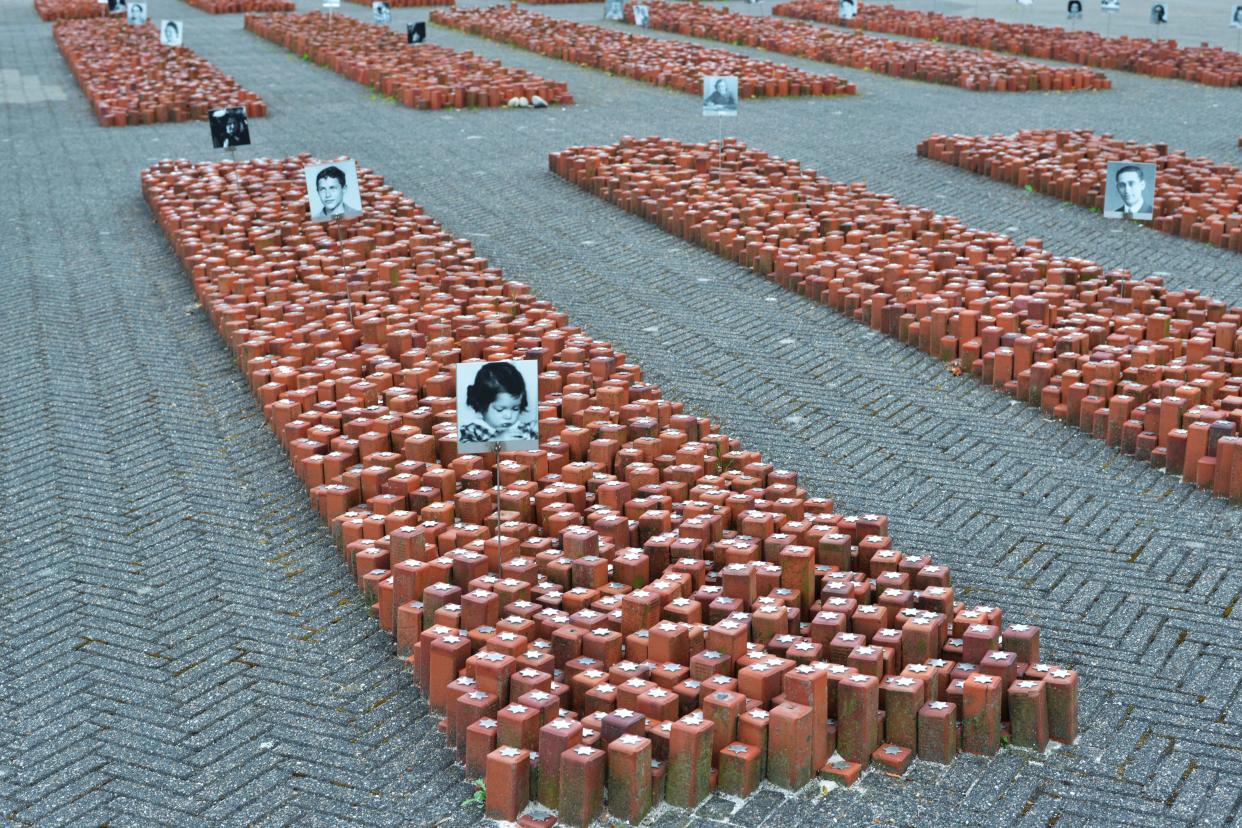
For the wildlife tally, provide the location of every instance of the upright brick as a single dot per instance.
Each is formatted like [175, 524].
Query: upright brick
[689, 762]
[790, 745]
[858, 707]
[629, 778]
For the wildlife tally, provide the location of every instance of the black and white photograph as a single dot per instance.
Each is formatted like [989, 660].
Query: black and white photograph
[720, 95]
[333, 190]
[642, 16]
[170, 32]
[380, 12]
[116, 6]
[847, 9]
[1073, 10]
[614, 10]
[415, 32]
[1130, 190]
[1235, 19]
[136, 13]
[497, 405]
[331, 4]
[1110, 5]
[229, 127]
[1159, 14]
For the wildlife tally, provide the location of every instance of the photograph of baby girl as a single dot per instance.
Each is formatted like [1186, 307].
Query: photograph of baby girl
[497, 403]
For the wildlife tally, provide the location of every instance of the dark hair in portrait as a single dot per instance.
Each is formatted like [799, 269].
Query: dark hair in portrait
[1128, 168]
[331, 172]
[493, 379]
[229, 128]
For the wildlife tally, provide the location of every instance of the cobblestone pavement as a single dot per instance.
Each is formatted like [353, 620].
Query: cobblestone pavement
[180, 643]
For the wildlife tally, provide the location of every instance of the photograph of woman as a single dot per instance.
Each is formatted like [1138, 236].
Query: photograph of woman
[720, 95]
[170, 32]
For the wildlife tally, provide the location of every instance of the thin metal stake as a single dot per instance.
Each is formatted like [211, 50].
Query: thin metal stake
[232, 151]
[499, 531]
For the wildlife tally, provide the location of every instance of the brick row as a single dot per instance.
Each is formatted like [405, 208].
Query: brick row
[1211, 65]
[1155, 372]
[674, 64]
[640, 610]
[405, 4]
[1196, 198]
[50, 10]
[243, 6]
[425, 76]
[129, 77]
[976, 71]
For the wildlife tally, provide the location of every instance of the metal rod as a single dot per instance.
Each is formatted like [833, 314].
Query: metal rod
[499, 531]
[232, 151]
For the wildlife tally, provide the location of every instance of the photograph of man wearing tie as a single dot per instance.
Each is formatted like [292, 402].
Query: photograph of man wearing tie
[1129, 191]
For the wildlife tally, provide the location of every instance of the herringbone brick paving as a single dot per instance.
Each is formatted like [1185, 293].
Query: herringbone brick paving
[181, 644]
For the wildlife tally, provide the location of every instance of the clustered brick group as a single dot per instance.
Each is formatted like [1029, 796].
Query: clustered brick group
[639, 611]
[1155, 372]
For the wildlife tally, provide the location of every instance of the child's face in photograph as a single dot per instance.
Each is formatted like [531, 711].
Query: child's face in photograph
[503, 412]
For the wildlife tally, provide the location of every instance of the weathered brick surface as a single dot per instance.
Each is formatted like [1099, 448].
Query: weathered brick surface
[331, 354]
[70, 9]
[425, 76]
[1162, 58]
[681, 66]
[1196, 198]
[976, 71]
[1155, 373]
[130, 78]
[406, 4]
[243, 6]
